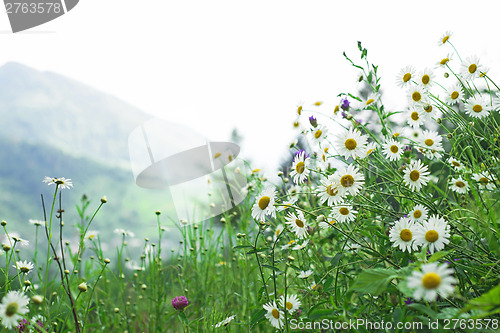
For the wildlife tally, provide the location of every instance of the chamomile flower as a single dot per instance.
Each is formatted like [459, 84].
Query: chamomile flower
[286, 204]
[432, 280]
[36, 223]
[351, 143]
[23, 266]
[350, 179]
[431, 143]
[405, 76]
[370, 101]
[393, 150]
[401, 235]
[13, 306]
[444, 38]
[225, 322]
[456, 164]
[413, 134]
[418, 213]
[484, 181]
[414, 116]
[343, 213]
[298, 224]
[274, 315]
[433, 233]
[415, 94]
[459, 185]
[444, 61]
[416, 175]
[370, 148]
[305, 274]
[264, 204]
[301, 246]
[427, 110]
[471, 68]
[319, 134]
[289, 244]
[477, 107]
[62, 182]
[329, 191]
[292, 303]
[300, 168]
[278, 231]
[454, 94]
[426, 78]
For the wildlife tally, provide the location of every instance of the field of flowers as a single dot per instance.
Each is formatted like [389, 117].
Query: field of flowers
[385, 220]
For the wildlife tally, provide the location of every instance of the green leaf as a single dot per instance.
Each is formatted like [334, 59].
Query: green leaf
[336, 259]
[321, 313]
[272, 267]
[438, 255]
[424, 309]
[242, 247]
[258, 250]
[374, 281]
[183, 318]
[488, 302]
[258, 315]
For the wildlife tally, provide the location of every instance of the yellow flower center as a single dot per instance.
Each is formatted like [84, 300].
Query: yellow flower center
[429, 142]
[25, 269]
[455, 163]
[332, 191]
[289, 305]
[406, 77]
[299, 223]
[431, 236]
[484, 180]
[477, 108]
[414, 175]
[414, 115]
[278, 231]
[394, 149]
[396, 134]
[444, 61]
[472, 68]
[296, 124]
[431, 280]
[428, 108]
[454, 95]
[344, 211]
[336, 109]
[217, 155]
[264, 202]
[347, 181]
[445, 39]
[11, 309]
[275, 314]
[350, 144]
[300, 167]
[405, 235]
[460, 184]
[416, 96]
[318, 103]
[425, 79]
[299, 110]
[318, 134]
[370, 101]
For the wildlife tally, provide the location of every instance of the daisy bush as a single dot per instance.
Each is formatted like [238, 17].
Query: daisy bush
[381, 214]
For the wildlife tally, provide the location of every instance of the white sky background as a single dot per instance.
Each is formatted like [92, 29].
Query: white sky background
[216, 65]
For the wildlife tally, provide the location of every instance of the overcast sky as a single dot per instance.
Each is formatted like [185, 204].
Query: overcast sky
[216, 65]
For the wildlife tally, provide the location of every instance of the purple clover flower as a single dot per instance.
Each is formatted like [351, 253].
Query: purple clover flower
[344, 104]
[180, 302]
[313, 121]
[23, 323]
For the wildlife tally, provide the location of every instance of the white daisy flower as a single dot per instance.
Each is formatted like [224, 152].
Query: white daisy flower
[124, 232]
[343, 213]
[370, 148]
[329, 191]
[62, 182]
[351, 143]
[13, 306]
[301, 246]
[264, 205]
[292, 303]
[274, 315]
[19, 240]
[23, 266]
[426, 78]
[319, 134]
[298, 224]
[369, 101]
[278, 231]
[414, 116]
[286, 204]
[484, 181]
[305, 274]
[416, 175]
[350, 179]
[471, 69]
[477, 107]
[289, 244]
[431, 143]
[418, 214]
[91, 234]
[36, 223]
[405, 76]
[454, 94]
[433, 233]
[427, 110]
[432, 280]
[300, 168]
[413, 134]
[401, 235]
[456, 164]
[393, 150]
[459, 185]
[444, 38]
[443, 62]
[225, 322]
[415, 94]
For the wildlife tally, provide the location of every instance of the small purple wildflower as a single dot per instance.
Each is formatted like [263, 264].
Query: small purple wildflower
[180, 302]
[298, 313]
[344, 104]
[408, 301]
[23, 323]
[407, 148]
[313, 121]
[344, 114]
[301, 151]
